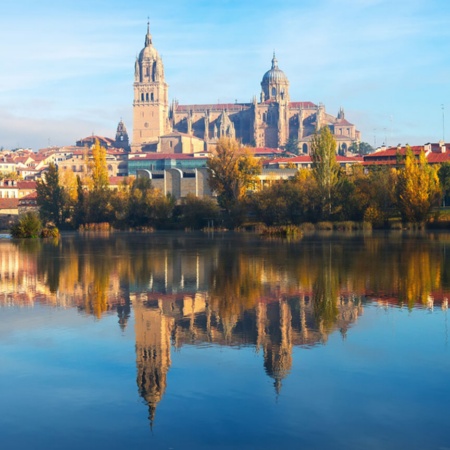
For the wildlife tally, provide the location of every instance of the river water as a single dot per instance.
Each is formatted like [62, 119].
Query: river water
[227, 341]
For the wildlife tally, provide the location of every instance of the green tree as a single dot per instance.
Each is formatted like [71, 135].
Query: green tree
[197, 212]
[292, 146]
[418, 188]
[325, 169]
[52, 199]
[361, 148]
[444, 178]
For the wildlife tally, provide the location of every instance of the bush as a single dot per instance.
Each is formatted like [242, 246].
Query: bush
[50, 232]
[307, 227]
[324, 226]
[103, 226]
[29, 226]
[346, 226]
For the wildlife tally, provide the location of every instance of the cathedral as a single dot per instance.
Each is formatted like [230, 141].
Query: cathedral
[271, 122]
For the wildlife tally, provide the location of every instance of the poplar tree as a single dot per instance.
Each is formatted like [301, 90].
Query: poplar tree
[325, 168]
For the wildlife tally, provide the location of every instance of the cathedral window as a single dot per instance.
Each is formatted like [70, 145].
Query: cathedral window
[274, 92]
[152, 98]
[146, 97]
[305, 148]
[147, 71]
[142, 97]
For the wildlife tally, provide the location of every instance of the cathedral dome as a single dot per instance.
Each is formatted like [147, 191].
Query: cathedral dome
[148, 52]
[274, 75]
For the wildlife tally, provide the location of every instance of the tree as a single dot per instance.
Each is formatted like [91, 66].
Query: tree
[98, 198]
[197, 212]
[232, 170]
[418, 188]
[292, 146]
[325, 169]
[362, 148]
[98, 168]
[444, 178]
[52, 198]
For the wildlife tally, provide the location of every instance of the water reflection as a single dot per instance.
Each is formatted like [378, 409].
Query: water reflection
[226, 291]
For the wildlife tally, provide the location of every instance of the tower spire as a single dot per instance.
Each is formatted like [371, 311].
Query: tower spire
[274, 61]
[148, 36]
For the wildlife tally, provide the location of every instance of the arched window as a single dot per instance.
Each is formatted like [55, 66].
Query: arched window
[152, 98]
[142, 97]
[305, 149]
[274, 92]
[147, 71]
[146, 96]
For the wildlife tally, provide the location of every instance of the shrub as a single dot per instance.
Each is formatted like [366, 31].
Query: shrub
[307, 226]
[29, 226]
[346, 226]
[324, 226]
[50, 232]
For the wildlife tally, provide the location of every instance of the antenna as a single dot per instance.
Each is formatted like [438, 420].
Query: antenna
[443, 122]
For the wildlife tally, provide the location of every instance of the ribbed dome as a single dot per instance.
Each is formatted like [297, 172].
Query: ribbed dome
[274, 75]
[148, 52]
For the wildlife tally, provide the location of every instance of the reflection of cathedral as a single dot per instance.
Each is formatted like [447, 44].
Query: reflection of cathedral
[273, 326]
[269, 122]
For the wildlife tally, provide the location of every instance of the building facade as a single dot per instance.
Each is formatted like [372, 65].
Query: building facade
[270, 122]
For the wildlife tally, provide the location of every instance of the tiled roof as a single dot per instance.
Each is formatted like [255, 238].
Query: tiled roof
[212, 107]
[305, 105]
[23, 184]
[9, 203]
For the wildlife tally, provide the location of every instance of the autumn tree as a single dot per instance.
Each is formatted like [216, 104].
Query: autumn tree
[98, 197]
[52, 198]
[98, 168]
[325, 169]
[418, 188]
[232, 171]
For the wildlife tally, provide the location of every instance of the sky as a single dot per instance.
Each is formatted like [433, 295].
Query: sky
[67, 68]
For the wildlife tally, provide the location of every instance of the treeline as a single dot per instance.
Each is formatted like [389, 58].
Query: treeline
[324, 193]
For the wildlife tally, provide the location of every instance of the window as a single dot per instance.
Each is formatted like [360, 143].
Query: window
[274, 92]
[146, 97]
[152, 98]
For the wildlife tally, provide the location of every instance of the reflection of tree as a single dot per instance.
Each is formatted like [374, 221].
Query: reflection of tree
[325, 294]
[235, 286]
[235, 290]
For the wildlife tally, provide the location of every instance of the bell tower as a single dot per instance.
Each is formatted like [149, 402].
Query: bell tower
[151, 98]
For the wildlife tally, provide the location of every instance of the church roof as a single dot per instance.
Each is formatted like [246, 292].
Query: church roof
[304, 105]
[230, 107]
[274, 75]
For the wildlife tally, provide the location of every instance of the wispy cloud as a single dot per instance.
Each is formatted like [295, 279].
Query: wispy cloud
[70, 65]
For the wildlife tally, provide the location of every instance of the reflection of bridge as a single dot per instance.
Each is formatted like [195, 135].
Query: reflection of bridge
[271, 326]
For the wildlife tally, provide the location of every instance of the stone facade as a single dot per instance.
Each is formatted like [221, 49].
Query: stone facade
[151, 97]
[270, 122]
[179, 182]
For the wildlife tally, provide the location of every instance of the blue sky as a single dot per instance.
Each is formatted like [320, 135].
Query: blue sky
[67, 67]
